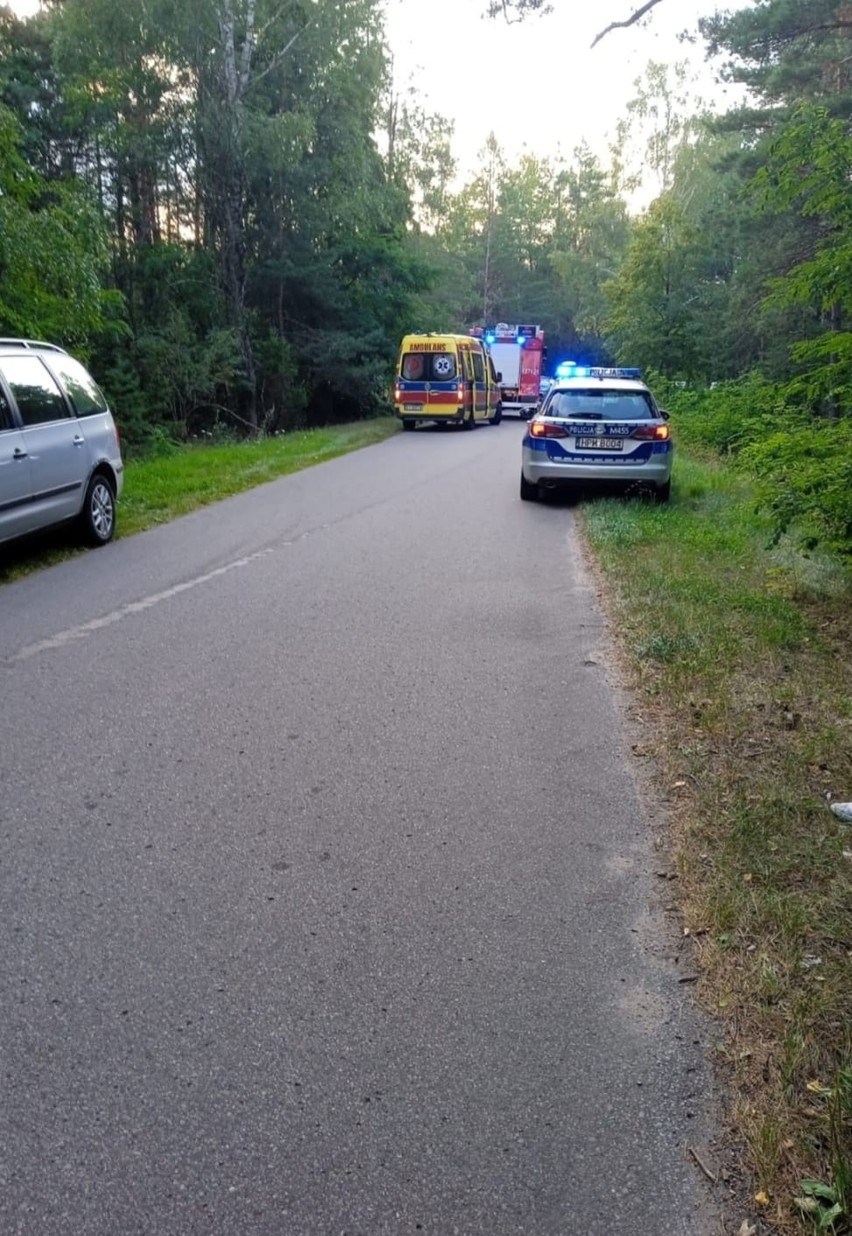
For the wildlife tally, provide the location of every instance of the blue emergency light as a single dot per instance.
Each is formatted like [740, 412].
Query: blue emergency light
[490, 337]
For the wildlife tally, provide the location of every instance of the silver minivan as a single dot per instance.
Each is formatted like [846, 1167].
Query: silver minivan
[60, 457]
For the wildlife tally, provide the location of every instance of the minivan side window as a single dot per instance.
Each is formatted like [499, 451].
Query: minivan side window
[478, 368]
[5, 413]
[38, 397]
[87, 398]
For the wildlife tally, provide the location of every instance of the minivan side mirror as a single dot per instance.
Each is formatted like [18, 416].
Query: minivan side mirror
[499, 376]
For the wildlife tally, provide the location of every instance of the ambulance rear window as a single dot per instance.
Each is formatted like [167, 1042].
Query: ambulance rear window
[443, 366]
[428, 366]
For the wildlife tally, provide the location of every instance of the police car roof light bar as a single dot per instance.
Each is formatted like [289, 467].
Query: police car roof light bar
[598, 371]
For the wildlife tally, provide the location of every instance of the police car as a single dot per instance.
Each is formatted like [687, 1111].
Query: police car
[597, 428]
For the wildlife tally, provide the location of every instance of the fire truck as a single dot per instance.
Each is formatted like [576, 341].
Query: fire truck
[518, 354]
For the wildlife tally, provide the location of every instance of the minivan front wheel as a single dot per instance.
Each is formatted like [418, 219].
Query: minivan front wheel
[98, 514]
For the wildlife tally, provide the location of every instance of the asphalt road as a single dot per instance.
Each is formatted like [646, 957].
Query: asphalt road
[329, 903]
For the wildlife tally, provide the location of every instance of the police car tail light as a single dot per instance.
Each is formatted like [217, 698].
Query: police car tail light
[543, 429]
[654, 433]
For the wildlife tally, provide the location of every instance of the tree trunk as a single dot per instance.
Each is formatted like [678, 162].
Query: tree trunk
[228, 193]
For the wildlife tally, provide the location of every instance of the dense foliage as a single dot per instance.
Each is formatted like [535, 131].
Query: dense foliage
[231, 211]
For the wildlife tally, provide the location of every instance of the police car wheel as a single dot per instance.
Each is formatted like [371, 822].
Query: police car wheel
[529, 492]
[663, 492]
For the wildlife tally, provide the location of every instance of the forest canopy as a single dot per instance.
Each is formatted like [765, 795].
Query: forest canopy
[229, 209]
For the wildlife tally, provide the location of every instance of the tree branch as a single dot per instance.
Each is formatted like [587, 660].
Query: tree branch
[618, 25]
[279, 56]
[523, 7]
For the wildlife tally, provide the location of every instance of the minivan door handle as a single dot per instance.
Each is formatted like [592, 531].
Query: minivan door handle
[17, 453]
[78, 440]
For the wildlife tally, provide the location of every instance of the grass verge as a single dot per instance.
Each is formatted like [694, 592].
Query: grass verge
[741, 657]
[162, 487]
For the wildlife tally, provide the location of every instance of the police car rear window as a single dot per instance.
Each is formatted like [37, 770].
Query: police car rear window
[607, 405]
[428, 366]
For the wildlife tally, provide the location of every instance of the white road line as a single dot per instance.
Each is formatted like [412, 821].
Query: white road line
[133, 607]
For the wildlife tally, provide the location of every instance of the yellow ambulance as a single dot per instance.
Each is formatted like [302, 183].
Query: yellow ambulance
[448, 379]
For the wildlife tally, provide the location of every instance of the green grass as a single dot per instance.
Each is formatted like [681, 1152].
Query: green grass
[183, 478]
[159, 489]
[741, 652]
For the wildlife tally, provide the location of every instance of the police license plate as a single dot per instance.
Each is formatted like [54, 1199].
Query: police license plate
[413, 407]
[600, 444]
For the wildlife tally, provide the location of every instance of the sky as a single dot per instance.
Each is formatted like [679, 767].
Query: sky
[536, 83]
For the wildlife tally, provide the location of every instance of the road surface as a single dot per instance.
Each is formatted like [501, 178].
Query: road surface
[329, 903]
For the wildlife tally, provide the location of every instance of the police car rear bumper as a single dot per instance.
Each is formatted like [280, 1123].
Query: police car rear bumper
[539, 470]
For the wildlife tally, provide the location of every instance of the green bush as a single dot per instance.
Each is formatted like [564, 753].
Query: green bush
[729, 415]
[800, 463]
[804, 479]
